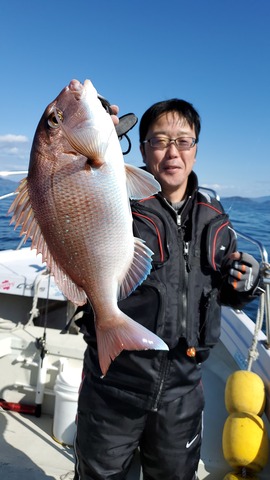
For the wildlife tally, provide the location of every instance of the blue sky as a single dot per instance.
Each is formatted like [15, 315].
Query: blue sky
[213, 53]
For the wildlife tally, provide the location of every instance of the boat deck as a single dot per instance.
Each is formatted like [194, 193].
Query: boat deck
[29, 452]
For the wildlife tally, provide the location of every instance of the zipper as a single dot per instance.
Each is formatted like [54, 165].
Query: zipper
[163, 369]
[186, 252]
[183, 285]
[182, 315]
[183, 270]
[175, 214]
[179, 215]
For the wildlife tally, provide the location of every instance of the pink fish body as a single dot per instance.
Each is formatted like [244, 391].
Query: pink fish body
[74, 206]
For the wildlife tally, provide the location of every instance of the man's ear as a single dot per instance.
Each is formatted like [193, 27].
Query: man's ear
[142, 150]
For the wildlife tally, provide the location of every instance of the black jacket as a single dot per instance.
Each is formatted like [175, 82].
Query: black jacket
[180, 300]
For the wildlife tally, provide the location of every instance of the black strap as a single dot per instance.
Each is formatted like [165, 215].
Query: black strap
[126, 123]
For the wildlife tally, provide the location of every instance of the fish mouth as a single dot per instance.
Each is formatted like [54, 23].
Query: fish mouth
[75, 86]
[78, 89]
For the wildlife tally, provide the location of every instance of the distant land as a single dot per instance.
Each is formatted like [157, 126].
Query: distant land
[7, 186]
[237, 199]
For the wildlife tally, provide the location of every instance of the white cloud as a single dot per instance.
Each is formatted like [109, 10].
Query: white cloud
[214, 186]
[219, 188]
[11, 138]
[14, 152]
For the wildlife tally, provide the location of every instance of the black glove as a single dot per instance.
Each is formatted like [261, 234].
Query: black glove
[244, 273]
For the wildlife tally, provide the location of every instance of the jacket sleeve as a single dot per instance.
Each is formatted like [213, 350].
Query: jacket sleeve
[229, 296]
[221, 243]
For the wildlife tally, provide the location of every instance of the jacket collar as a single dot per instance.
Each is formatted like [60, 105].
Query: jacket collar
[191, 192]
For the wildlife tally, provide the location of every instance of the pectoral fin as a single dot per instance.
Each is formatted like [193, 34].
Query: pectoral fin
[139, 269]
[140, 184]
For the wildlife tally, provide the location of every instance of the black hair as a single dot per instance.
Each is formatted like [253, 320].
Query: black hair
[183, 108]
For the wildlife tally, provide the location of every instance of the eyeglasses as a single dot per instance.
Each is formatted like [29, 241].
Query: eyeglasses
[181, 143]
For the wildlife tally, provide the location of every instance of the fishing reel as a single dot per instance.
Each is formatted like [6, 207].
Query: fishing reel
[126, 123]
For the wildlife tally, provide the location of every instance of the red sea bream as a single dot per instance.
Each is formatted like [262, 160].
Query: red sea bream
[74, 205]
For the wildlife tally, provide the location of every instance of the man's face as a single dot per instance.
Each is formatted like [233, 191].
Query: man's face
[170, 166]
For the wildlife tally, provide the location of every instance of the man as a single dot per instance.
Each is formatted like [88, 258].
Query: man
[154, 399]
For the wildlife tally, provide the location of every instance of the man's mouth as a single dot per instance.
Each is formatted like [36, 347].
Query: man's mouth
[171, 168]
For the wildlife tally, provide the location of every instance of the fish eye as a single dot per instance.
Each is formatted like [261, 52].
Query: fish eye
[53, 122]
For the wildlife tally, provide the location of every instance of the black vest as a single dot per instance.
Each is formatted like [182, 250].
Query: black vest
[180, 297]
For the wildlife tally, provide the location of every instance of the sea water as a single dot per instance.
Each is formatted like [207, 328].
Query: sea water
[248, 216]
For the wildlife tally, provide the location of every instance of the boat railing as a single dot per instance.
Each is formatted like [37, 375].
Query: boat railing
[265, 275]
[13, 194]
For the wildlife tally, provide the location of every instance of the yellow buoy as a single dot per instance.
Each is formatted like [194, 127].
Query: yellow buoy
[245, 441]
[238, 476]
[245, 392]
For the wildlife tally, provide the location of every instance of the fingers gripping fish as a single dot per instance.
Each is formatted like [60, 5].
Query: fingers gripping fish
[74, 206]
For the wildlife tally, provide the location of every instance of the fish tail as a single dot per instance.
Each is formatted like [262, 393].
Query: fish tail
[125, 334]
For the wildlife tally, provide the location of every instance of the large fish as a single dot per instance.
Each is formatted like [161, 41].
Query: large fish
[74, 206]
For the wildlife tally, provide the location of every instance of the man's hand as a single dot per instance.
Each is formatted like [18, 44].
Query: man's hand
[114, 110]
[244, 271]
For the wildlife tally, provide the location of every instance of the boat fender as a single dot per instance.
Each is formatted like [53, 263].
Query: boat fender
[245, 441]
[245, 392]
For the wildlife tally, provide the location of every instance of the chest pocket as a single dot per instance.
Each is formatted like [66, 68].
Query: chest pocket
[151, 228]
[220, 241]
[214, 238]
